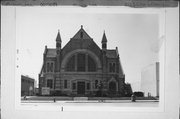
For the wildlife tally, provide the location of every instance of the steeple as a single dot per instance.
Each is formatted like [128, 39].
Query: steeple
[58, 51]
[58, 40]
[104, 41]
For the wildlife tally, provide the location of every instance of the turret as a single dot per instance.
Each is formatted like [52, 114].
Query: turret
[104, 48]
[58, 41]
[58, 51]
[104, 42]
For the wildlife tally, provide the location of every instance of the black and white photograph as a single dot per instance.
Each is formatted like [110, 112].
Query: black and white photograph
[89, 62]
[88, 58]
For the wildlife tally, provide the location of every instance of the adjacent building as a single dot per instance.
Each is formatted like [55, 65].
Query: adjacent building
[150, 80]
[81, 68]
[27, 86]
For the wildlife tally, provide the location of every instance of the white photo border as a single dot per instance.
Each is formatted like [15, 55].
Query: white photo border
[14, 96]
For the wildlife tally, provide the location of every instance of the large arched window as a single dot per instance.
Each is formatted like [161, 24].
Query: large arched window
[91, 64]
[71, 64]
[81, 63]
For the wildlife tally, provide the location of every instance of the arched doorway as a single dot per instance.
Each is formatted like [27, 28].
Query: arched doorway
[112, 87]
[81, 87]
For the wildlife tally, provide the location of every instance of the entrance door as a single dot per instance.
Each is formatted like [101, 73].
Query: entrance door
[81, 87]
[112, 87]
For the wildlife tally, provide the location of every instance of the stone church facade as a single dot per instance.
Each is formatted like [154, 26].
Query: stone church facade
[82, 68]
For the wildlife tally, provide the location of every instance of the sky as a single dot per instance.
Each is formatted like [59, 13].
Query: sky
[133, 34]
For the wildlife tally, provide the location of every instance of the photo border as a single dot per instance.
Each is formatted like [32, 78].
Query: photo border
[163, 84]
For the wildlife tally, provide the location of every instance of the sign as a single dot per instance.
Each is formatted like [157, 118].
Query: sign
[45, 91]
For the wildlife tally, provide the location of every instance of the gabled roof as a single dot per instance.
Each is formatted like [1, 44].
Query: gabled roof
[111, 54]
[51, 53]
[81, 34]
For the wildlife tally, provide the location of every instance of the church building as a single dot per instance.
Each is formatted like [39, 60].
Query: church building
[82, 68]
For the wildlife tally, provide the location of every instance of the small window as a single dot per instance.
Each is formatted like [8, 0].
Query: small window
[88, 86]
[65, 83]
[104, 46]
[96, 84]
[49, 83]
[58, 45]
[74, 86]
[112, 67]
[49, 67]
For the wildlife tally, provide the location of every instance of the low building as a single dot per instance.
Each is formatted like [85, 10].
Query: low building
[27, 86]
[150, 80]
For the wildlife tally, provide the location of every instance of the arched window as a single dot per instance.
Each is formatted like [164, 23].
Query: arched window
[91, 64]
[49, 83]
[50, 67]
[81, 66]
[96, 84]
[88, 86]
[65, 83]
[71, 64]
[81, 63]
[112, 67]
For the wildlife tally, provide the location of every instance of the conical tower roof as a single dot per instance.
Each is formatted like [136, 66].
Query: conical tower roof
[104, 39]
[58, 38]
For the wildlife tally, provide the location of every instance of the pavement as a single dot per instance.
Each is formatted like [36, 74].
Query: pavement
[91, 103]
[123, 101]
[62, 98]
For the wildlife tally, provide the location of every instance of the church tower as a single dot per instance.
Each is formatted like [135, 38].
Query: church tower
[58, 50]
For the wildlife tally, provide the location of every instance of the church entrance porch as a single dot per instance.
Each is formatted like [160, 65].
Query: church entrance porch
[80, 87]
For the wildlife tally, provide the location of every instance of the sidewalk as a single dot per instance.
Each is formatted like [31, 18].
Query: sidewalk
[87, 101]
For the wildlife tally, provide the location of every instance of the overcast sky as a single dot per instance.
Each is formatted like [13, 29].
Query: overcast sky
[133, 34]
